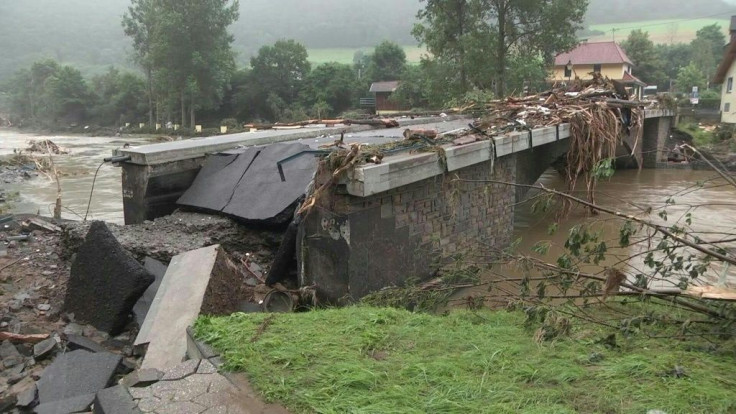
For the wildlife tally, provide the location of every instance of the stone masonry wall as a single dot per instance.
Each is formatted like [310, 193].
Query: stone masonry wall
[352, 246]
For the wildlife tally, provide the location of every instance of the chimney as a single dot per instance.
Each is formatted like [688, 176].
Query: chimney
[732, 29]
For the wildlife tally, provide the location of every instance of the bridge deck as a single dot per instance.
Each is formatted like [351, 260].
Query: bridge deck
[403, 169]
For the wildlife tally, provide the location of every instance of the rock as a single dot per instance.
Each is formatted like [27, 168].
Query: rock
[44, 348]
[44, 307]
[77, 373]
[142, 377]
[7, 402]
[181, 370]
[28, 397]
[15, 305]
[200, 281]
[16, 378]
[206, 367]
[75, 342]
[158, 270]
[115, 400]
[76, 404]
[73, 329]
[105, 282]
[8, 350]
[12, 361]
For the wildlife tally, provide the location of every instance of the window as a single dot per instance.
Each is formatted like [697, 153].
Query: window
[568, 72]
[727, 107]
[729, 85]
[597, 68]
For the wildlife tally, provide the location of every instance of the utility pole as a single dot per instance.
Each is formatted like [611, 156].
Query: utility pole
[613, 33]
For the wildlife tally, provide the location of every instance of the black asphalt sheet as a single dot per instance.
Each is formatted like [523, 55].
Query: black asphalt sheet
[246, 183]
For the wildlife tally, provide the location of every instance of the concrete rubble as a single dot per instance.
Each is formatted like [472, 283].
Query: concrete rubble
[200, 281]
[105, 282]
[96, 317]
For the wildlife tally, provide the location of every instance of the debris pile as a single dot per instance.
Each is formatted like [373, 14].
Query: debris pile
[45, 146]
[600, 112]
[73, 325]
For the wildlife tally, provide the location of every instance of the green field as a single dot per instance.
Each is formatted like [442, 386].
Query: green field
[345, 55]
[371, 360]
[660, 31]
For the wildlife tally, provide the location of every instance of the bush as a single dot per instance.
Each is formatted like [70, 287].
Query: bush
[701, 137]
[230, 123]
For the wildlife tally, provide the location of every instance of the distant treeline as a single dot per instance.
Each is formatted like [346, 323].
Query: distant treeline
[88, 35]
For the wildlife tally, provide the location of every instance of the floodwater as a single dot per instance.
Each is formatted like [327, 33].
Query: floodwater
[712, 205]
[710, 202]
[77, 170]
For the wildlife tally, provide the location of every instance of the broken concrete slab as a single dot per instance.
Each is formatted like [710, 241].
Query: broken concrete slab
[200, 281]
[215, 183]
[227, 183]
[44, 348]
[158, 270]
[142, 378]
[263, 178]
[75, 342]
[75, 374]
[115, 400]
[182, 370]
[78, 404]
[105, 282]
[28, 397]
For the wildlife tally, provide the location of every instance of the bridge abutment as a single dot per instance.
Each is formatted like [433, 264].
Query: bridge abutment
[351, 246]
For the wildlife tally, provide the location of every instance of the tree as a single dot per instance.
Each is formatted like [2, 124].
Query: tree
[647, 64]
[281, 68]
[707, 49]
[412, 91]
[186, 48]
[690, 76]
[387, 63]
[139, 23]
[48, 93]
[278, 71]
[333, 84]
[449, 29]
[477, 39]
[673, 57]
[532, 28]
[120, 97]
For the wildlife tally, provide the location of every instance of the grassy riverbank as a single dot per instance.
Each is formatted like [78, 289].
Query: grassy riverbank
[371, 360]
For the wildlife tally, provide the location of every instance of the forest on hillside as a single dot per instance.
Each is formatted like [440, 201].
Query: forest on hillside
[88, 34]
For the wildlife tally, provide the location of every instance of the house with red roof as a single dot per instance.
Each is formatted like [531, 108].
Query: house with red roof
[606, 58]
[725, 75]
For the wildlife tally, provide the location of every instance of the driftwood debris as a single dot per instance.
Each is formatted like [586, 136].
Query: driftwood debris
[385, 123]
[20, 338]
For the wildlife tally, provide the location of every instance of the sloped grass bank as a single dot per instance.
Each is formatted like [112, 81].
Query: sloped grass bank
[373, 360]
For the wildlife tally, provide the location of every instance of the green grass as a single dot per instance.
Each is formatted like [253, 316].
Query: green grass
[372, 360]
[660, 31]
[345, 55]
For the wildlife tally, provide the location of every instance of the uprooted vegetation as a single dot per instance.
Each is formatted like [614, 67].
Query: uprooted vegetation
[394, 361]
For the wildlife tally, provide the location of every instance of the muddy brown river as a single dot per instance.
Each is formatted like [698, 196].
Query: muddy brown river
[78, 167]
[712, 205]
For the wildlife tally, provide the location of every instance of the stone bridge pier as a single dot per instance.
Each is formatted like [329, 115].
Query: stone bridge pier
[406, 218]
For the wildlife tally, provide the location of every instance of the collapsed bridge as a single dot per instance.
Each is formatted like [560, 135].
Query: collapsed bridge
[383, 223]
